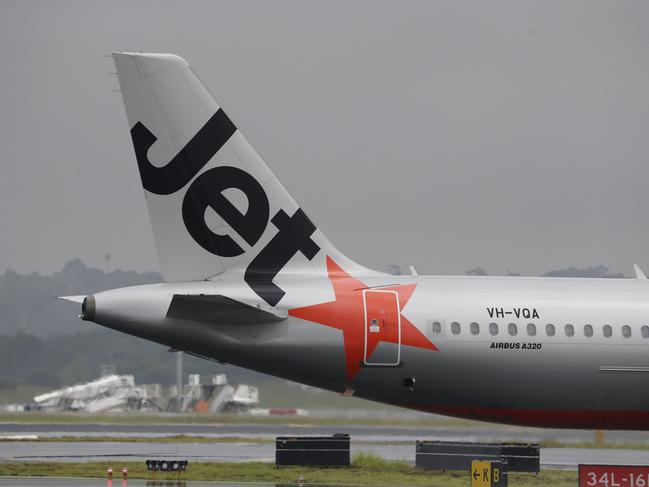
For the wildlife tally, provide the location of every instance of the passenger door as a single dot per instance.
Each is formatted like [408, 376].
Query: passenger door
[382, 324]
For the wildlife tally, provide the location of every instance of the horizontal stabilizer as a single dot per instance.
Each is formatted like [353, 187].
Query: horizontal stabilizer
[73, 299]
[218, 309]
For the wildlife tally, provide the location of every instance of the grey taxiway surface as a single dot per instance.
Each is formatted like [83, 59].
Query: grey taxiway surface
[293, 427]
[388, 442]
[19, 451]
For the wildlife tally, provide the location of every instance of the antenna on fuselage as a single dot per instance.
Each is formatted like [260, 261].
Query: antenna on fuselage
[638, 272]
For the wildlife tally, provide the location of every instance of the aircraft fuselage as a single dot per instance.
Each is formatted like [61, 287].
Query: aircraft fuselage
[252, 281]
[499, 348]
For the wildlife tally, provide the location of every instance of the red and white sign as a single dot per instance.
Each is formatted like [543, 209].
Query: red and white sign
[613, 476]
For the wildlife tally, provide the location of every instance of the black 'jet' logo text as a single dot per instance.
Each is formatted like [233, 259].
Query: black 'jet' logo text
[294, 232]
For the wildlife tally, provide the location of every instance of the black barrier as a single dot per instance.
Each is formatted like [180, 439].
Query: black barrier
[304, 451]
[166, 465]
[445, 455]
[522, 457]
[449, 455]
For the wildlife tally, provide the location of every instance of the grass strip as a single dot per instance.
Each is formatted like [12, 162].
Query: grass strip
[593, 446]
[366, 469]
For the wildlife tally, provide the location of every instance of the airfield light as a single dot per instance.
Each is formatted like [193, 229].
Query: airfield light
[166, 465]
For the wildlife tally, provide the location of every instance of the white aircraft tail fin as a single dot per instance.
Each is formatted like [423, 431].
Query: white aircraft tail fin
[214, 204]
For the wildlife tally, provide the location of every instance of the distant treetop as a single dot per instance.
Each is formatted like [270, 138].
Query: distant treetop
[600, 271]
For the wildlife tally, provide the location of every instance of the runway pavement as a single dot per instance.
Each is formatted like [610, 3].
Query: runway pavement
[358, 432]
[19, 451]
[393, 443]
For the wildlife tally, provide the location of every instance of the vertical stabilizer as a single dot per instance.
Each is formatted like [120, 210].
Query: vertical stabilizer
[213, 202]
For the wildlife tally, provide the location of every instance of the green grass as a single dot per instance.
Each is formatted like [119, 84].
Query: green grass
[592, 445]
[366, 470]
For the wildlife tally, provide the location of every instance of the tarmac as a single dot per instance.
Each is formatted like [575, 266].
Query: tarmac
[19, 451]
[392, 443]
[293, 427]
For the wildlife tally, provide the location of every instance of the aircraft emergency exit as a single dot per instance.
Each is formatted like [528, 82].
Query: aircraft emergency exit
[250, 280]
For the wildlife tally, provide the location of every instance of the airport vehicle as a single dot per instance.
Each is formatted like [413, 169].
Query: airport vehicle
[250, 280]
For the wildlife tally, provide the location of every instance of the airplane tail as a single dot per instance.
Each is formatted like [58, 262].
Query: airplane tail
[214, 204]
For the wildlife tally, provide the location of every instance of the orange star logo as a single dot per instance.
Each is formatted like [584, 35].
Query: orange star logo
[348, 313]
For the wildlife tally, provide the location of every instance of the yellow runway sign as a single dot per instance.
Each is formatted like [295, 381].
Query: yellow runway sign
[487, 474]
[480, 474]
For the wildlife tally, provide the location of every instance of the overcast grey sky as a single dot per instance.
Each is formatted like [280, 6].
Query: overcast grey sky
[445, 134]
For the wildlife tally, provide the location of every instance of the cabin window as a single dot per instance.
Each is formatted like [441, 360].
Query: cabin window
[475, 328]
[588, 330]
[493, 328]
[645, 331]
[436, 327]
[607, 330]
[512, 329]
[549, 330]
[570, 330]
[626, 331]
[531, 329]
[455, 328]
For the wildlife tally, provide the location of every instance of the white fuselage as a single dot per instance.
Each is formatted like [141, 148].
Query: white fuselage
[509, 349]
